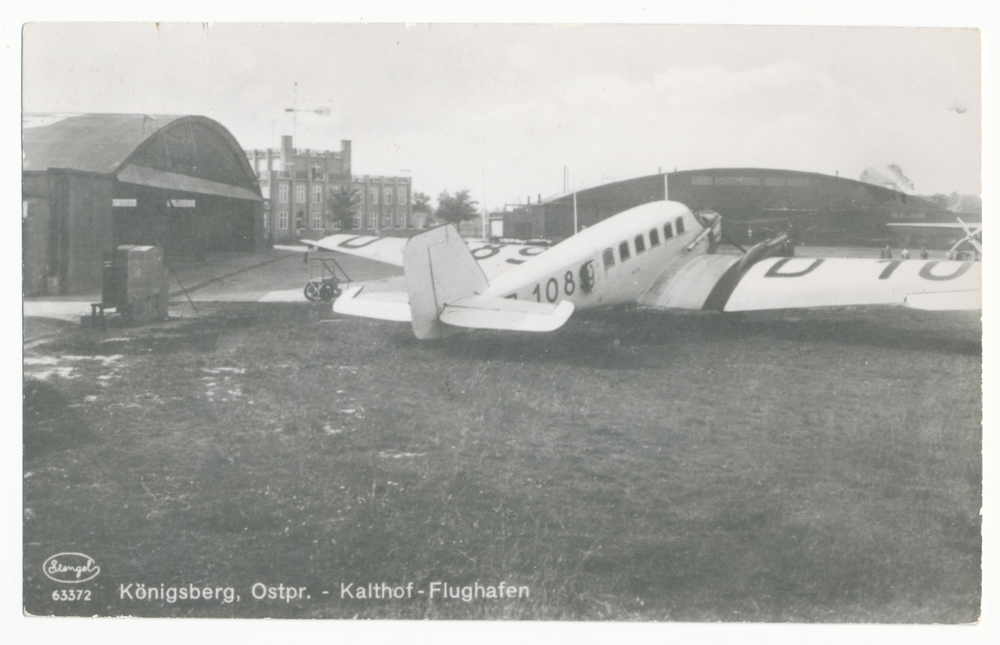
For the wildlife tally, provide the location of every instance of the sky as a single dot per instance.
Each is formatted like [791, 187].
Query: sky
[502, 109]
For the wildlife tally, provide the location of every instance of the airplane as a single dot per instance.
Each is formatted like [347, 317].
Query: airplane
[658, 255]
[974, 236]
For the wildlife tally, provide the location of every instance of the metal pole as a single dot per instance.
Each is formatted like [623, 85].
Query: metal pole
[484, 204]
[576, 224]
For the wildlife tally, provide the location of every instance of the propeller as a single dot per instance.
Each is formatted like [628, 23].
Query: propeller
[971, 236]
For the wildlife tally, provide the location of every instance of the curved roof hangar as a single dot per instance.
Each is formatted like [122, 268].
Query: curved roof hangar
[191, 154]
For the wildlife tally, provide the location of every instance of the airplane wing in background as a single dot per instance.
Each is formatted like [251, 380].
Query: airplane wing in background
[493, 259]
[722, 283]
[371, 247]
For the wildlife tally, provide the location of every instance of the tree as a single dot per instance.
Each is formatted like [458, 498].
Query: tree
[456, 208]
[343, 204]
[422, 203]
[940, 199]
[970, 204]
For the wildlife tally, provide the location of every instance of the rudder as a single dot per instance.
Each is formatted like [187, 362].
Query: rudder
[439, 269]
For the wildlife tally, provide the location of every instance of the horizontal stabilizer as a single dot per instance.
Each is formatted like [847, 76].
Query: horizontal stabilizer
[486, 312]
[383, 305]
[946, 301]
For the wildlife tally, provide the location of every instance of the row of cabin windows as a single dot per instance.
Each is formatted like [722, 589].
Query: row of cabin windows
[624, 252]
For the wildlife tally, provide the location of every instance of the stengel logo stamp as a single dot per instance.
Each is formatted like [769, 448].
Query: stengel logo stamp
[71, 567]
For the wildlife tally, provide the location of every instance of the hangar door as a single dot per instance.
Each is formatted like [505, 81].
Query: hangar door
[181, 220]
[190, 190]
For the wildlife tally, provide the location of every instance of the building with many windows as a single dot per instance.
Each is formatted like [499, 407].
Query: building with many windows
[298, 187]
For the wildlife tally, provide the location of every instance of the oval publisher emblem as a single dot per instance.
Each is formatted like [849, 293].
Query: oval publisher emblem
[71, 567]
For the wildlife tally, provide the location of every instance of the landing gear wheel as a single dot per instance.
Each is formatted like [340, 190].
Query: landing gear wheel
[313, 291]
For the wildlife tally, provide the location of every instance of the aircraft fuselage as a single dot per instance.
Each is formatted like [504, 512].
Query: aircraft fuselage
[611, 263]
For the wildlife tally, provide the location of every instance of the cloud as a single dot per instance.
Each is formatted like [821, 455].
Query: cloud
[517, 103]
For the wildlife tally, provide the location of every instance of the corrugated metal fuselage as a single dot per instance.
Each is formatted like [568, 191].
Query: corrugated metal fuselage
[618, 259]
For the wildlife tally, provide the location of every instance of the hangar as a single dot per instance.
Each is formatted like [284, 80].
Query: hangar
[835, 209]
[91, 182]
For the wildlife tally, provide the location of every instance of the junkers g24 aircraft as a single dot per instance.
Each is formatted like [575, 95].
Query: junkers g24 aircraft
[659, 255]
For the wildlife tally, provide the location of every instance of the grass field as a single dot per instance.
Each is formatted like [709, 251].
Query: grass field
[789, 466]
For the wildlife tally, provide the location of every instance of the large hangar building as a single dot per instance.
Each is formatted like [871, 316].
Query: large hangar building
[835, 210]
[92, 182]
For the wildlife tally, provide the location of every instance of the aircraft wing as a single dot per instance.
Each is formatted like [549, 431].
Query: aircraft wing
[372, 247]
[493, 259]
[725, 283]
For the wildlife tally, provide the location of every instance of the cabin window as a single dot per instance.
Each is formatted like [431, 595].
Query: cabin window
[680, 225]
[609, 258]
[623, 251]
[654, 238]
[640, 244]
[668, 232]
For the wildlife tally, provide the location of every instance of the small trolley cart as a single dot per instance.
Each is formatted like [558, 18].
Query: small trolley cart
[326, 277]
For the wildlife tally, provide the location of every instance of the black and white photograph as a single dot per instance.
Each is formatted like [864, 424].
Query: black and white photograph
[531, 321]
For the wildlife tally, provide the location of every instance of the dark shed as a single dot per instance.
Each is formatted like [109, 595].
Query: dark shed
[92, 182]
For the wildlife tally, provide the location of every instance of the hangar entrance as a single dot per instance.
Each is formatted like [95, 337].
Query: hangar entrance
[190, 191]
[183, 224]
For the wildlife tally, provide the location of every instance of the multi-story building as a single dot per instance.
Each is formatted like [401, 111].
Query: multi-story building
[298, 186]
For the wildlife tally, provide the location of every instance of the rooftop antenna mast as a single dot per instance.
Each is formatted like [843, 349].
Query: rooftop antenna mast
[322, 111]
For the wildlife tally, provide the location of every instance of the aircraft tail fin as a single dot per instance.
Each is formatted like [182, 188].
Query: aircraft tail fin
[439, 270]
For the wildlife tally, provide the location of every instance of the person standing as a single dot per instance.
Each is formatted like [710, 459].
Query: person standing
[905, 254]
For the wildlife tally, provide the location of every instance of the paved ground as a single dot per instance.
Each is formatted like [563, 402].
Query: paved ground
[273, 275]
